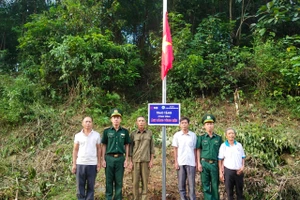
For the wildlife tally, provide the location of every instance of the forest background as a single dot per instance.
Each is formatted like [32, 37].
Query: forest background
[61, 60]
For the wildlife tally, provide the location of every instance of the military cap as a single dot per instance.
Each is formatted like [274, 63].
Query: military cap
[115, 112]
[208, 118]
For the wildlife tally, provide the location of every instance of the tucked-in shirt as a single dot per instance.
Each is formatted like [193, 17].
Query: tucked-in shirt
[87, 153]
[115, 140]
[142, 146]
[233, 155]
[209, 146]
[186, 145]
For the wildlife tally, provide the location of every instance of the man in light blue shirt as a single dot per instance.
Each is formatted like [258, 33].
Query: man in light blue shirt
[231, 165]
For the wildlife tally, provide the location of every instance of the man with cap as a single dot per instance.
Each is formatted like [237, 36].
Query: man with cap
[115, 143]
[142, 155]
[208, 146]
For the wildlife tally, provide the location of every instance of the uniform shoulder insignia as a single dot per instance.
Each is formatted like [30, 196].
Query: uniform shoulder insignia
[107, 127]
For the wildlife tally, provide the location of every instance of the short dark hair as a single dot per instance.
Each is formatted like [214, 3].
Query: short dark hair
[185, 118]
[86, 117]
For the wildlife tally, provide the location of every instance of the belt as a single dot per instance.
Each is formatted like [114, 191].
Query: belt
[115, 155]
[209, 161]
[230, 169]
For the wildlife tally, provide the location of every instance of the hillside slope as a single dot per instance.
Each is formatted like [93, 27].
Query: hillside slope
[36, 157]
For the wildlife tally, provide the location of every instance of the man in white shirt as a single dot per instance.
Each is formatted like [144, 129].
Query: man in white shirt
[184, 143]
[86, 159]
[231, 165]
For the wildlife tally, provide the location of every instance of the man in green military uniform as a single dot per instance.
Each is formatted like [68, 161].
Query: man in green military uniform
[208, 146]
[115, 143]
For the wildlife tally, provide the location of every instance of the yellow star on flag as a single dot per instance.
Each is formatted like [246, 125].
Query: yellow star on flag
[165, 44]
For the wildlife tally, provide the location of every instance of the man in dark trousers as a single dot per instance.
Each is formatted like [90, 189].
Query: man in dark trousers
[115, 150]
[86, 159]
[231, 165]
[208, 146]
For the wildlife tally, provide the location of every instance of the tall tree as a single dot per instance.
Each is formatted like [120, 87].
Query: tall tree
[68, 45]
[13, 15]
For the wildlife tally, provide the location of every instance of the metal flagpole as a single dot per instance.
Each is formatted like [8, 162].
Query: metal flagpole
[164, 98]
[164, 146]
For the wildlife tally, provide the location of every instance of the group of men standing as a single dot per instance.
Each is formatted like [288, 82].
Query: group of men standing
[135, 151]
[119, 151]
[215, 160]
[192, 153]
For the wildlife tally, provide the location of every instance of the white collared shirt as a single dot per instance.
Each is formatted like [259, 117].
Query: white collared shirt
[87, 153]
[233, 155]
[186, 144]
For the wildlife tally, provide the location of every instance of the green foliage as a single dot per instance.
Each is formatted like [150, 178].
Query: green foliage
[278, 18]
[14, 15]
[276, 64]
[100, 104]
[294, 103]
[16, 96]
[203, 64]
[264, 143]
[58, 50]
[291, 71]
[102, 62]
[268, 65]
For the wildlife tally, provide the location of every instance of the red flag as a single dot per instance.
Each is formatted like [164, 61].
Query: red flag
[167, 50]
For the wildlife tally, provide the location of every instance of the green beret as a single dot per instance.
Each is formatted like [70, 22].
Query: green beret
[208, 118]
[115, 112]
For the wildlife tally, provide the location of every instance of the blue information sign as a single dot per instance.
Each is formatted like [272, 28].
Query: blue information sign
[167, 114]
